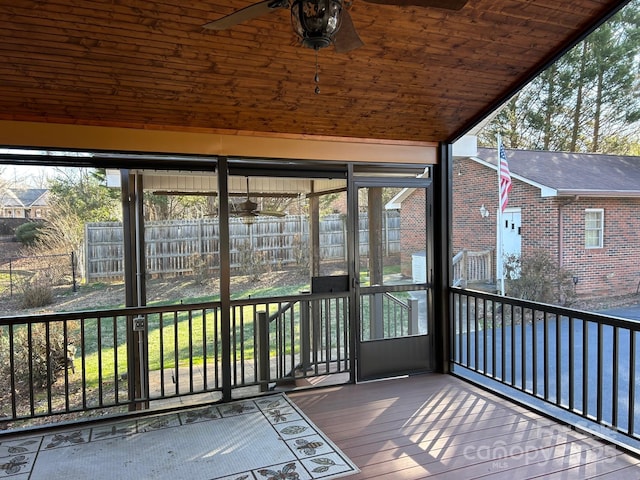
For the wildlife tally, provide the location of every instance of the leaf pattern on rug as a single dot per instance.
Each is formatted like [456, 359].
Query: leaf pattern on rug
[60, 439]
[325, 464]
[293, 429]
[14, 465]
[210, 413]
[115, 430]
[288, 472]
[272, 405]
[148, 425]
[238, 409]
[277, 415]
[20, 448]
[154, 425]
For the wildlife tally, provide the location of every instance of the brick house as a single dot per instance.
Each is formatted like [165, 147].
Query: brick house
[24, 203]
[412, 240]
[584, 209]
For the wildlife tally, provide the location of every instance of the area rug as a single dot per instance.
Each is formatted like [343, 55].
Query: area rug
[264, 438]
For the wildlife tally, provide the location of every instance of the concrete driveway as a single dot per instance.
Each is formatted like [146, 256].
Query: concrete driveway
[631, 312]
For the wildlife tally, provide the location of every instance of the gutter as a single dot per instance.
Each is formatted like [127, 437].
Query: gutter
[598, 193]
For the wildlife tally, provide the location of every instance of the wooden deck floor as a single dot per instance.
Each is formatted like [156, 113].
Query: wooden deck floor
[438, 426]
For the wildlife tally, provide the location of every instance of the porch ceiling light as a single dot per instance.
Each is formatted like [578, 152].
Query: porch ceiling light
[316, 21]
[248, 219]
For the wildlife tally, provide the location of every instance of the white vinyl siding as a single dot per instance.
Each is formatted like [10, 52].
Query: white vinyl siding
[593, 227]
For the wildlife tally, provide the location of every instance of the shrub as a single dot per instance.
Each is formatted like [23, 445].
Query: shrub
[37, 293]
[252, 262]
[40, 362]
[27, 233]
[301, 251]
[538, 277]
[201, 269]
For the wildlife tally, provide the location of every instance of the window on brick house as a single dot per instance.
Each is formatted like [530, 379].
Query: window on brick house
[593, 227]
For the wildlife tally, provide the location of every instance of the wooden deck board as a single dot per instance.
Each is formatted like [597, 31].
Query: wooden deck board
[438, 426]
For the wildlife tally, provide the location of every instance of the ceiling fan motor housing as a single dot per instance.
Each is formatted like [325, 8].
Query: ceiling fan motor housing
[316, 21]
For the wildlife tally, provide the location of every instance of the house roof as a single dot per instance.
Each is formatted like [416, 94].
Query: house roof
[571, 174]
[25, 198]
[9, 199]
[423, 74]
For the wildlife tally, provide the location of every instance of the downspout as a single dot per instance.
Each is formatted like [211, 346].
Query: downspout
[562, 202]
[560, 236]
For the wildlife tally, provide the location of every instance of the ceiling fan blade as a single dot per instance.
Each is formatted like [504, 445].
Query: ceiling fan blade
[346, 38]
[247, 13]
[271, 214]
[446, 4]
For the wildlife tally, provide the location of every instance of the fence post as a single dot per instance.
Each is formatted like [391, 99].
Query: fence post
[414, 327]
[10, 277]
[262, 330]
[305, 334]
[376, 316]
[87, 269]
[73, 271]
[464, 269]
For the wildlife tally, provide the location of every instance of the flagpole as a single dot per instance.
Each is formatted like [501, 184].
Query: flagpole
[499, 260]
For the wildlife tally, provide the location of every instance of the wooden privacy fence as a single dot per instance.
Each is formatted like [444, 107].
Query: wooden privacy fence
[189, 246]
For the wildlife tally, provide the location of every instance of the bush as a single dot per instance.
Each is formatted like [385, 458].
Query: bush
[37, 294]
[539, 278]
[201, 269]
[45, 363]
[27, 233]
[253, 263]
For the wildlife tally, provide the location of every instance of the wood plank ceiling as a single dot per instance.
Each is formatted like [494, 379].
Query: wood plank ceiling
[423, 75]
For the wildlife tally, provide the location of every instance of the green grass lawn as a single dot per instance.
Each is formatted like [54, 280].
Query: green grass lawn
[12, 280]
[173, 338]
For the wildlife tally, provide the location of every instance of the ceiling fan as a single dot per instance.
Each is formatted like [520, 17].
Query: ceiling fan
[247, 210]
[319, 23]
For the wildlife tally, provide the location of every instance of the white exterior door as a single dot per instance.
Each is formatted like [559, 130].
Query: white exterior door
[511, 232]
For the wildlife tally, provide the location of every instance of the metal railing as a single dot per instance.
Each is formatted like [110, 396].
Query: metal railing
[584, 363]
[287, 338]
[386, 316]
[128, 358]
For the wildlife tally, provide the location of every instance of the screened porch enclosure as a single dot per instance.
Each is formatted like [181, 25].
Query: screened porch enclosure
[279, 302]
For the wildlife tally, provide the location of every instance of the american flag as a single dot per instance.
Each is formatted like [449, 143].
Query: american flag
[505, 177]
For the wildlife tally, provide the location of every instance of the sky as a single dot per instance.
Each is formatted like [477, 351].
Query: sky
[28, 176]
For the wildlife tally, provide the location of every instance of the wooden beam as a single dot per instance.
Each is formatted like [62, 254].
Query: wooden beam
[214, 142]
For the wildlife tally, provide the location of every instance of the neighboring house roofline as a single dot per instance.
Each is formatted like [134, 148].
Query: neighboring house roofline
[30, 196]
[545, 191]
[396, 202]
[570, 173]
[9, 199]
[599, 193]
[595, 175]
[40, 201]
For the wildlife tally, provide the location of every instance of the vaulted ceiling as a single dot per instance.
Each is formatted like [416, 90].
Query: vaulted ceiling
[423, 74]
